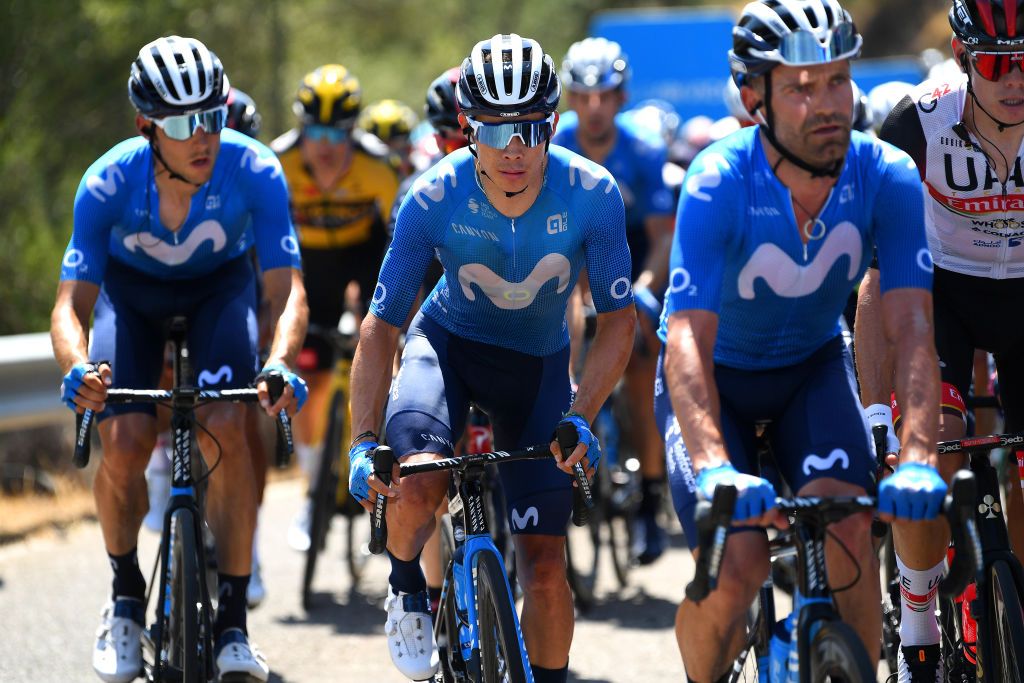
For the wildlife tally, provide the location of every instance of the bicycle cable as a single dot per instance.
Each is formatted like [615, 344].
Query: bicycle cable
[196, 423]
[846, 551]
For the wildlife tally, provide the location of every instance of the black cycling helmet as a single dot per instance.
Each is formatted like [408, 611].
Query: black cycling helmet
[242, 114]
[988, 22]
[791, 32]
[441, 108]
[175, 75]
[507, 76]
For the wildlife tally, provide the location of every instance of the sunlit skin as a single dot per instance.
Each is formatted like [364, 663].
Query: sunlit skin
[596, 112]
[193, 158]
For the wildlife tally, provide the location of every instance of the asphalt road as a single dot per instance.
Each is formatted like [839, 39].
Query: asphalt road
[52, 588]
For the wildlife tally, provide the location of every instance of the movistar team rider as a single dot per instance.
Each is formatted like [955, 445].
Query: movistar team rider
[775, 225]
[513, 221]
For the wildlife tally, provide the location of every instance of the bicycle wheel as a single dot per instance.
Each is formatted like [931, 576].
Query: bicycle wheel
[891, 602]
[583, 555]
[357, 546]
[322, 496]
[622, 496]
[1006, 621]
[502, 654]
[187, 626]
[838, 655]
[446, 623]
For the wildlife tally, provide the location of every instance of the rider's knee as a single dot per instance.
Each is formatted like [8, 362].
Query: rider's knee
[225, 431]
[128, 442]
[742, 575]
[542, 573]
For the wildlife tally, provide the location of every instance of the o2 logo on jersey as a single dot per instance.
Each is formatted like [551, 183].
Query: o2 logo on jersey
[73, 258]
[379, 294]
[621, 288]
[105, 186]
[588, 175]
[707, 178]
[432, 185]
[290, 245]
[558, 223]
[679, 281]
[925, 262]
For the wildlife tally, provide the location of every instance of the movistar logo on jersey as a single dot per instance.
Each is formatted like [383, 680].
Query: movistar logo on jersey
[177, 254]
[512, 296]
[787, 278]
[588, 175]
[103, 186]
[258, 164]
[431, 185]
[708, 177]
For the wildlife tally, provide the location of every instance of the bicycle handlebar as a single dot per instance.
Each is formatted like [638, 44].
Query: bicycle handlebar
[275, 386]
[384, 459]
[714, 519]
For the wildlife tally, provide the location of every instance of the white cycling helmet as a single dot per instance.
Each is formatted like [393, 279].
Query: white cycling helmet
[883, 99]
[507, 75]
[175, 75]
[791, 32]
[595, 65]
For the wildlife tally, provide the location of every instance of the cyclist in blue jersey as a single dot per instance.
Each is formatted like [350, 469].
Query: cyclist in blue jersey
[595, 74]
[163, 226]
[775, 225]
[514, 221]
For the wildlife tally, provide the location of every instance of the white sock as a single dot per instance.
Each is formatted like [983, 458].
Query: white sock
[308, 455]
[918, 625]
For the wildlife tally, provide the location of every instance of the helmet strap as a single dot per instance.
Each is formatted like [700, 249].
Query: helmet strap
[1002, 125]
[832, 171]
[171, 173]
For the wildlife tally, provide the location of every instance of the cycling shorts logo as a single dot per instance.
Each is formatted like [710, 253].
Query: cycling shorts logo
[431, 185]
[815, 462]
[290, 245]
[212, 379]
[177, 254]
[621, 288]
[924, 261]
[707, 178]
[679, 280]
[514, 295]
[73, 258]
[588, 175]
[105, 186]
[790, 280]
[434, 438]
[258, 164]
[530, 518]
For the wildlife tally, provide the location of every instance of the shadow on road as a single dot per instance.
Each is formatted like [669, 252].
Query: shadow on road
[638, 611]
[356, 613]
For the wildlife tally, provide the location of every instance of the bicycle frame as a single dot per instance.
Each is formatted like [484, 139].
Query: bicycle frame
[472, 538]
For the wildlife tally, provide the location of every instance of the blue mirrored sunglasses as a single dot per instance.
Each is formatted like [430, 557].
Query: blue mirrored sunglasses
[801, 48]
[331, 134]
[499, 135]
[182, 127]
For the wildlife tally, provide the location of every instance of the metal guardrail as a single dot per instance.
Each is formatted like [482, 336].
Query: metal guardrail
[29, 394]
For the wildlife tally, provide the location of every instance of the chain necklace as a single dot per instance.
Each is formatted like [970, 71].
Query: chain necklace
[813, 228]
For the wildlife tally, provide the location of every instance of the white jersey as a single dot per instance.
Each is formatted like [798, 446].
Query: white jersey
[975, 223]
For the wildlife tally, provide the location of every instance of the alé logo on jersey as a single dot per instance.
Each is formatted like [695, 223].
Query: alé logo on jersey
[511, 296]
[787, 278]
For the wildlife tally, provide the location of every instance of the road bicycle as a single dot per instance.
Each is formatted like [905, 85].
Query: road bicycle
[812, 644]
[476, 626]
[328, 492]
[178, 646]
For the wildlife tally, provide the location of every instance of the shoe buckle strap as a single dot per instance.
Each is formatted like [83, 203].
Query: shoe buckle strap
[416, 602]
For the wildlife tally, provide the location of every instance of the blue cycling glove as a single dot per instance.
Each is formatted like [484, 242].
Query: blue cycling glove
[360, 460]
[73, 380]
[585, 436]
[754, 495]
[297, 384]
[648, 304]
[915, 492]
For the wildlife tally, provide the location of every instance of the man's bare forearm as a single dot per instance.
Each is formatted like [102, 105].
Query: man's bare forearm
[689, 372]
[371, 373]
[69, 323]
[289, 314]
[606, 360]
[908, 327]
[872, 351]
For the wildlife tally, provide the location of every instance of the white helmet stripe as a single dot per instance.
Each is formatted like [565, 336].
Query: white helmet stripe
[769, 17]
[535, 66]
[152, 70]
[797, 10]
[191, 68]
[478, 69]
[516, 43]
[171, 68]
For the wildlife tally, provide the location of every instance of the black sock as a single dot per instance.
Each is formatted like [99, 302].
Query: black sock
[128, 579]
[231, 605]
[406, 576]
[542, 675]
[650, 500]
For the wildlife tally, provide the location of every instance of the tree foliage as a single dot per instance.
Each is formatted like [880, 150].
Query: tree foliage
[64, 67]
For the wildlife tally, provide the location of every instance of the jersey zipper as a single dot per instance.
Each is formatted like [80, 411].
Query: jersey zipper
[513, 244]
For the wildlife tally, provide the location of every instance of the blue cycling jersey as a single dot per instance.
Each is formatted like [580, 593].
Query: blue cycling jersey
[117, 215]
[507, 280]
[737, 251]
[636, 162]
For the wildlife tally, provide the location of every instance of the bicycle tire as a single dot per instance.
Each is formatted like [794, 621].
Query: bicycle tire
[1006, 621]
[446, 624]
[582, 563]
[501, 652]
[891, 602]
[322, 497]
[185, 628]
[619, 522]
[838, 655]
